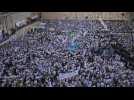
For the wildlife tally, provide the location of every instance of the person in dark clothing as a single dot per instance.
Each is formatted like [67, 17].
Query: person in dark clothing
[90, 59]
[28, 59]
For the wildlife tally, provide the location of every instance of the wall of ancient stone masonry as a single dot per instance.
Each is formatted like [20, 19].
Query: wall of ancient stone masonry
[9, 21]
[83, 15]
[131, 16]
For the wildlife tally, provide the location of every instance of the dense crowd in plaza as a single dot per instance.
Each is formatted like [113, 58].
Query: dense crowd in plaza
[67, 53]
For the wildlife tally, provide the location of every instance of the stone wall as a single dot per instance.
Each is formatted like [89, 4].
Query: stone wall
[83, 15]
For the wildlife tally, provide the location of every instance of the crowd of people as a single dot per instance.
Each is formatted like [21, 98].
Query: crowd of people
[119, 26]
[65, 53]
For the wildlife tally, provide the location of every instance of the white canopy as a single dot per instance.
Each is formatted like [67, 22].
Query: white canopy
[21, 23]
[68, 75]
